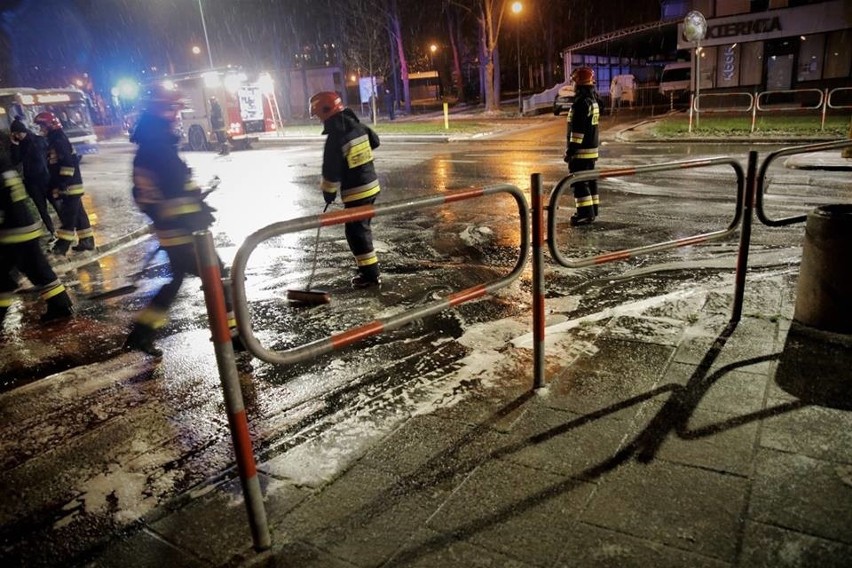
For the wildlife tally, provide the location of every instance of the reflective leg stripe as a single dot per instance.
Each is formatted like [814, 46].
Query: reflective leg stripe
[53, 289]
[84, 233]
[587, 154]
[596, 200]
[152, 317]
[583, 201]
[65, 235]
[73, 190]
[6, 300]
[367, 258]
[66, 171]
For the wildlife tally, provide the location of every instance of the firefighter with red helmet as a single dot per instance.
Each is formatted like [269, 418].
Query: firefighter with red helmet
[66, 183]
[20, 250]
[164, 190]
[582, 144]
[348, 168]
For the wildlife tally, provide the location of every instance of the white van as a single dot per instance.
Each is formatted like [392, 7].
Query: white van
[676, 79]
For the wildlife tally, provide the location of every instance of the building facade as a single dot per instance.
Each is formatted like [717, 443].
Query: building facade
[772, 45]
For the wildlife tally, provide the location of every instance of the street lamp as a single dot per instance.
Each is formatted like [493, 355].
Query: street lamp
[206, 39]
[432, 49]
[516, 8]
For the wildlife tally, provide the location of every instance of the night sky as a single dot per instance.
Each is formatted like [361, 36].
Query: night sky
[49, 42]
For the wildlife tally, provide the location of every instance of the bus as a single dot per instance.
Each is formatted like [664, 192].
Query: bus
[70, 106]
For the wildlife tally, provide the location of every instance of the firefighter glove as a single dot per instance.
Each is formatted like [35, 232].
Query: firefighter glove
[567, 157]
[329, 197]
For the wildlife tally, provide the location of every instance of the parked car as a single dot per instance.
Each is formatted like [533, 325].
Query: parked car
[564, 99]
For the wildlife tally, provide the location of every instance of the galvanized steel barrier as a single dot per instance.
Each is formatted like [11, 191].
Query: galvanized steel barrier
[764, 167]
[346, 338]
[214, 297]
[539, 237]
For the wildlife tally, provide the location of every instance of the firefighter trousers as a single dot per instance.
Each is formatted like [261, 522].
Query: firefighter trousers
[74, 221]
[359, 236]
[38, 193]
[28, 258]
[585, 192]
[183, 262]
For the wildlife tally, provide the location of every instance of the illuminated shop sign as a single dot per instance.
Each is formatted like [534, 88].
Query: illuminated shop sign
[757, 26]
[786, 22]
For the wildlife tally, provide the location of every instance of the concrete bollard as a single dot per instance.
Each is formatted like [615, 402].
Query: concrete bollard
[824, 294]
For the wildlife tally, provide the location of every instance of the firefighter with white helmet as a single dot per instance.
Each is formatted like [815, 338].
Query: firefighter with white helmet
[164, 190]
[348, 168]
[66, 184]
[582, 144]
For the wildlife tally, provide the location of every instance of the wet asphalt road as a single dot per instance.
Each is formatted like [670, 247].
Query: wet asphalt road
[94, 439]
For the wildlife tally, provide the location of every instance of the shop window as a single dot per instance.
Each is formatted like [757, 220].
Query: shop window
[751, 63]
[810, 58]
[838, 54]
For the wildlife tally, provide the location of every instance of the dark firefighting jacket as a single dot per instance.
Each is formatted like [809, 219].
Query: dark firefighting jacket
[347, 163]
[63, 165]
[583, 119]
[163, 187]
[16, 222]
[31, 154]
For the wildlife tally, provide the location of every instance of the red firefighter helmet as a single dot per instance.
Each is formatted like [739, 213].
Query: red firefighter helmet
[326, 104]
[583, 76]
[163, 102]
[48, 121]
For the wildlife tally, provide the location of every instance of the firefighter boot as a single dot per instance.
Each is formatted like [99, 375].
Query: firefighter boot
[86, 243]
[367, 279]
[141, 338]
[58, 307]
[60, 247]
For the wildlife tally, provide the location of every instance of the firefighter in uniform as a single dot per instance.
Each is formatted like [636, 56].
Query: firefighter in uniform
[164, 190]
[20, 250]
[347, 167]
[66, 183]
[582, 144]
[30, 151]
[217, 121]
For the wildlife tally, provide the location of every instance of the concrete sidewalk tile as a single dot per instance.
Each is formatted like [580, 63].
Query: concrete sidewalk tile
[659, 331]
[145, 549]
[735, 392]
[594, 547]
[363, 516]
[803, 494]
[815, 367]
[563, 443]
[591, 387]
[221, 512]
[710, 440]
[775, 547]
[749, 349]
[685, 507]
[626, 358]
[429, 549]
[295, 555]
[430, 451]
[518, 511]
[813, 431]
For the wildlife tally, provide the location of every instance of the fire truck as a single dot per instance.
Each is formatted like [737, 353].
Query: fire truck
[249, 106]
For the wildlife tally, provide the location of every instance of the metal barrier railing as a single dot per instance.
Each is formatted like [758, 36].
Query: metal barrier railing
[214, 298]
[343, 339]
[829, 98]
[539, 237]
[565, 182]
[764, 167]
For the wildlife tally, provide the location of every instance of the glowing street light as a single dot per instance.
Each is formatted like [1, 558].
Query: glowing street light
[196, 50]
[516, 9]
